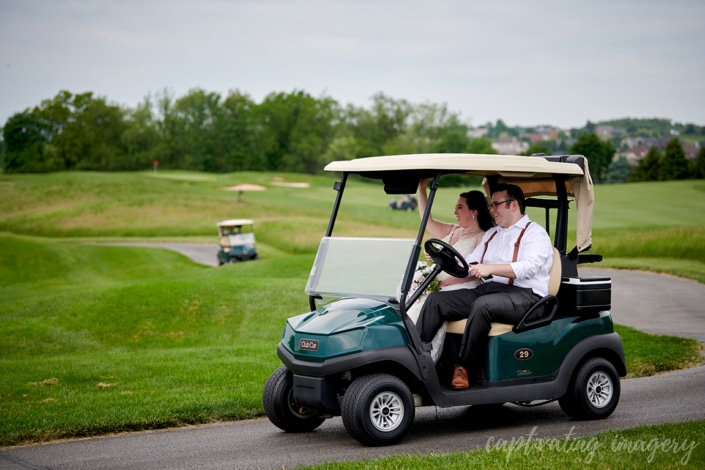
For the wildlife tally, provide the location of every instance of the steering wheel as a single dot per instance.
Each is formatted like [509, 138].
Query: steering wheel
[447, 257]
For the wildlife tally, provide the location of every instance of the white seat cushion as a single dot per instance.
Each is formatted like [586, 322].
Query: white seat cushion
[458, 327]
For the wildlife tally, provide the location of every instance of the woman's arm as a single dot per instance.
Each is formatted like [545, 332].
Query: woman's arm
[436, 228]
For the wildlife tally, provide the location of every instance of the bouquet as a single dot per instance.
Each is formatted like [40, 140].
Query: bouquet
[422, 271]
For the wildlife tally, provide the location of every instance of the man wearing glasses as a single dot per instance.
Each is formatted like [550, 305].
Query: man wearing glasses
[513, 260]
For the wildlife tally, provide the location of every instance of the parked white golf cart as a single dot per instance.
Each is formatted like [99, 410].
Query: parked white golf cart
[237, 241]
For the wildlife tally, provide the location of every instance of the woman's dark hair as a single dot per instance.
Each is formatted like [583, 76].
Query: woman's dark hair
[476, 201]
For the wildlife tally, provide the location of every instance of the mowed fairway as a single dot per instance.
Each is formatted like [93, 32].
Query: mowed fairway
[99, 339]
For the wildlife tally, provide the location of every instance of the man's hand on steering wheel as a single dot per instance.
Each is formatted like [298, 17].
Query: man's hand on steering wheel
[480, 271]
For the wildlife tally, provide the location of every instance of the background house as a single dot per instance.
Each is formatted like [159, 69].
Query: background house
[510, 146]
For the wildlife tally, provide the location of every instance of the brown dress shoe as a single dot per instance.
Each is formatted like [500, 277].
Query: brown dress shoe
[460, 379]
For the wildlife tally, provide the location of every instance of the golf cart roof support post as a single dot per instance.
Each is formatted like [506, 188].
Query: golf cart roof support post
[416, 251]
[548, 220]
[340, 187]
[411, 267]
[560, 241]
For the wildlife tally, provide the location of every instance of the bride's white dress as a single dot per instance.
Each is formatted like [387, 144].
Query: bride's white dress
[465, 246]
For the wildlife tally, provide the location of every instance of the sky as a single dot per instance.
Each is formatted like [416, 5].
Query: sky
[526, 62]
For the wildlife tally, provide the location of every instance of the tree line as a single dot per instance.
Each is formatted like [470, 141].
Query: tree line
[290, 132]
[607, 165]
[293, 132]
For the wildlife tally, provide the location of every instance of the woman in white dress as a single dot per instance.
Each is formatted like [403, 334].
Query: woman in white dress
[473, 219]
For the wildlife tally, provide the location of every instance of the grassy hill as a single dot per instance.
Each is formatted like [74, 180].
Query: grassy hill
[633, 223]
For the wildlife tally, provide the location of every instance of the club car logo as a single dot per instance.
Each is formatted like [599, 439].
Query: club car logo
[308, 344]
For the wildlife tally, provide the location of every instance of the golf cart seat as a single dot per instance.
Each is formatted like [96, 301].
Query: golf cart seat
[554, 282]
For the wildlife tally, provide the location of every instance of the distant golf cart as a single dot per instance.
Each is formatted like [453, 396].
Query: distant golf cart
[406, 203]
[237, 241]
[357, 354]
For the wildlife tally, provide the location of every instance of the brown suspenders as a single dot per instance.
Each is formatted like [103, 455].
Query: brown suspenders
[516, 247]
[487, 243]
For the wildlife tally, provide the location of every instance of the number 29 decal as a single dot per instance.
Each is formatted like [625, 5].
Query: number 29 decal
[523, 354]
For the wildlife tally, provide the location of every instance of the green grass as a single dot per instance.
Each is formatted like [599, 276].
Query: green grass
[101, 339]
[86, 351]
[662, 219]
[657, 227]
[648, 354]
[178, 205]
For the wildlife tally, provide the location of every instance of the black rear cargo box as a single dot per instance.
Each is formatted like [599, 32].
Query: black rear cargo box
[590, 294]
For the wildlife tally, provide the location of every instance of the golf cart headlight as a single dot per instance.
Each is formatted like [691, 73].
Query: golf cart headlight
[345, 342]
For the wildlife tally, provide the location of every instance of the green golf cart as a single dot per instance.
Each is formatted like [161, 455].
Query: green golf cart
[357, 354]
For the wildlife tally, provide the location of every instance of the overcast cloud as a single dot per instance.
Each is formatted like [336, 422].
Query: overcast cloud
[526, 62]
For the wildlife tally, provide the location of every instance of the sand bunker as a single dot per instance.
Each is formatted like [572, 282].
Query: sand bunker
[290, 185]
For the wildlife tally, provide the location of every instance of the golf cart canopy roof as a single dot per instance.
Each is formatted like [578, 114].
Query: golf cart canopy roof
[536, 175]
[471, 164]
[234, 222]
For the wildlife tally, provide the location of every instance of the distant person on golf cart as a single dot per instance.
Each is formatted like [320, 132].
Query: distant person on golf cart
[518, 254]
[407, 203]
[474, 218]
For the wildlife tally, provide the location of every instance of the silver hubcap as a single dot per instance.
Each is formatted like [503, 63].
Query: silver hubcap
[386, 411]
[599, 389]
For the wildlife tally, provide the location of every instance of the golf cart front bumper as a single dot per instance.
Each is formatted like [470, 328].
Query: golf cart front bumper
[319, 384]
[327, 348]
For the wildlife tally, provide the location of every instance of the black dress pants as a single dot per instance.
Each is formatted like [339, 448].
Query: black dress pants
[487, 303]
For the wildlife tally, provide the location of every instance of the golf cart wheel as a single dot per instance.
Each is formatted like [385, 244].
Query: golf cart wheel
[594, 391]
[282, 410]
[232, 259]
[378, 409]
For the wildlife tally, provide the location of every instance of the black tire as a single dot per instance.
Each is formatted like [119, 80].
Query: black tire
[232, 259]
[280, 407]
[378, 409]
[593, 392]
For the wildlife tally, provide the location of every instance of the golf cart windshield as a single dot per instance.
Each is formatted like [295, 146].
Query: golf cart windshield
[360, 267]
[241, 239]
